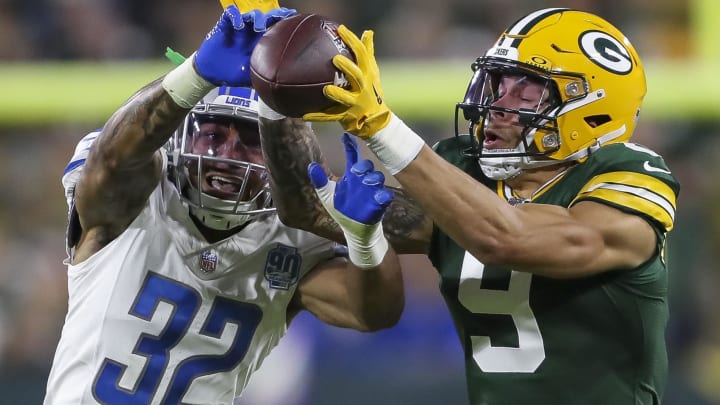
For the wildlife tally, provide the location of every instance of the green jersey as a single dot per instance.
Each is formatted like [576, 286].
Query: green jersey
[530, 339]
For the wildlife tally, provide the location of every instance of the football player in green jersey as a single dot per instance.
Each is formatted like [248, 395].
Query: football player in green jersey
[546, 224]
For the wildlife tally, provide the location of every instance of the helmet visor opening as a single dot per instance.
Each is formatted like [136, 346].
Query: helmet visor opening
[221, 157]
[526, 90]
[214, 136]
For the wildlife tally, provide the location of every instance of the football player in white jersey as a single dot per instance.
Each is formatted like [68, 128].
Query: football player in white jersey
[181, 278]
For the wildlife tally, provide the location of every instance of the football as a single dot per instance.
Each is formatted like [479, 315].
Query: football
[292, 63]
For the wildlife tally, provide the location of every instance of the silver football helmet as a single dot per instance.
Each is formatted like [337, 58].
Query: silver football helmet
[205, 155]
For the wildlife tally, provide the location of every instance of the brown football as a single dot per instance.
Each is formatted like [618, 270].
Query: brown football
[292, 63]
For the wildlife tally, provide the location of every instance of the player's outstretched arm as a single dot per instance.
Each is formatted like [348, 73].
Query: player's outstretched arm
[124, 165]
[367, 293]
[591, 236]
[341, 295]
[289, 146]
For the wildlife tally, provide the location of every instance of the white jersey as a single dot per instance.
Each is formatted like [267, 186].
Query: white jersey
[160, 316]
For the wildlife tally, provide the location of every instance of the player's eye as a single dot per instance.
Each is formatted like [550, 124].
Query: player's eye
[247, 133]
[209, 136]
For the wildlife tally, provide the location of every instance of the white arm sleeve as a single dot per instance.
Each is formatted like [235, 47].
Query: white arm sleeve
[75, 166]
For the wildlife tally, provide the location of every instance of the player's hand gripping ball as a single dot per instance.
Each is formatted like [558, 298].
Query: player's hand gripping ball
[292, 63]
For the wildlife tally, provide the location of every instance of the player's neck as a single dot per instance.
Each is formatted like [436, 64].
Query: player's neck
[529, 181]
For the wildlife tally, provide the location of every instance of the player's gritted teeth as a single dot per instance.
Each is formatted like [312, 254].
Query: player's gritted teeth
[222, 185]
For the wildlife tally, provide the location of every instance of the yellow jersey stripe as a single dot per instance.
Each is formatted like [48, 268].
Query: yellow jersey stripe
[633, 179]
[640, 180]
[636, 191]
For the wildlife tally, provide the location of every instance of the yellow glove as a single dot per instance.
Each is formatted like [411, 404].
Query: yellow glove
[248, 5]
[366, 112]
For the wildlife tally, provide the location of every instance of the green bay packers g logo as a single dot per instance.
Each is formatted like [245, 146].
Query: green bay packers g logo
[606, 52]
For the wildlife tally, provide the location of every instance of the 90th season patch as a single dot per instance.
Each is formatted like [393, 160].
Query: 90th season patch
[282, 266]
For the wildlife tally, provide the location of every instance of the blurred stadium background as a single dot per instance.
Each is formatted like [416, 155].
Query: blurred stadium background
[65, 65]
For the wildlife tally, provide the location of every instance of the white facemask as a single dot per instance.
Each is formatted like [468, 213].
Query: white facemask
[216, 219]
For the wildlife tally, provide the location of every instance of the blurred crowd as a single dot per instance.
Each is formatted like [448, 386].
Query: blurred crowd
[139, 29]
[420, 360]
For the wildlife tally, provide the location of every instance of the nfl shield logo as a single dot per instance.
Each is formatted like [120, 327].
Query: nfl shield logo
[208, 261]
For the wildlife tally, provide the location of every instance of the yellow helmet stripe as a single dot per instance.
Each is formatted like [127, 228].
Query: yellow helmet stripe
[636, 191]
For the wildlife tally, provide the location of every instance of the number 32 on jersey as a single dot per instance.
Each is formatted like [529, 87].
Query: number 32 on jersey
[515, 302]
[185, 302]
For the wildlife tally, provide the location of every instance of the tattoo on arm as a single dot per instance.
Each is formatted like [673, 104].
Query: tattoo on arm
[143, 124]
[289, 145]
[406, 226]
[127, 149]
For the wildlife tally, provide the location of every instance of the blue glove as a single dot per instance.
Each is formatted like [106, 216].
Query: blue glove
[360, 194]
[224, 56]
[357, 203]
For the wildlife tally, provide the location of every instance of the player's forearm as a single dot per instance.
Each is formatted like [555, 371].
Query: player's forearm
[289, 145]
[406, 226]
[123, 167]
[516, 237]
[367, 301]
[377, 298]
[141, 126]
[470, 213]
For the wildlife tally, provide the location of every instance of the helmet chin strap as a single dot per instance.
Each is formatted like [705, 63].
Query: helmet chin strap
[508, 167]
[504, 168]
[500, 168]
[217, 220]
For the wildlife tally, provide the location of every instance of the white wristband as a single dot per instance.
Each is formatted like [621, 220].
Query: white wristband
[396, 145]
[366, 244]
[185, 85]
[264, 111]
[367, 252]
